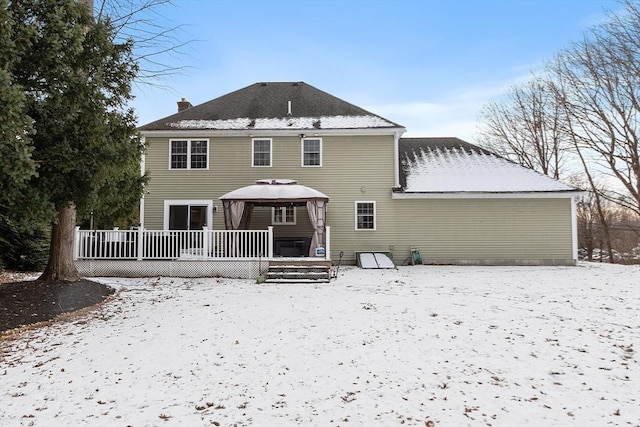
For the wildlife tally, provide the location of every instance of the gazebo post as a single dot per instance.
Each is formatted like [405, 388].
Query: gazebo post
[327, 246]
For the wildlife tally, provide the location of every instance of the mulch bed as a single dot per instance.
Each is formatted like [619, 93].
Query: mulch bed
[32, 301]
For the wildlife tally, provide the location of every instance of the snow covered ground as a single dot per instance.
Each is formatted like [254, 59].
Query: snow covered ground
[500, 346]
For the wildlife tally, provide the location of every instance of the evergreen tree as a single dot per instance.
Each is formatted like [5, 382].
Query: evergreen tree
[16, 162]
[76, 81]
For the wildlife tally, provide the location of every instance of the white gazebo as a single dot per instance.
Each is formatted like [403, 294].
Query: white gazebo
[238, 205]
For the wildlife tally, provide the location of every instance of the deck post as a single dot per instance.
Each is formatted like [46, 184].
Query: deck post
[140, 241]
[205, 241]
[270, 241]
[76, 242]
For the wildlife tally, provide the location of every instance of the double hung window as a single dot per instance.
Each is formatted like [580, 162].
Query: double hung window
[261, 152]
[365, 215]
[311, 152]
[189, 154]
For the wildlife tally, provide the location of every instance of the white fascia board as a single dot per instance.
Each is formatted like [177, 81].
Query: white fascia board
[478, 195]
[212, 133]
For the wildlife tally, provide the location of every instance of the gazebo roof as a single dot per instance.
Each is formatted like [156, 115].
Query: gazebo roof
[277, 190]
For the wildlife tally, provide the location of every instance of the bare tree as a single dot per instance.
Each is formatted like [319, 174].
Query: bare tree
[526, 126]
[593, 218]
[598, 85]
[625, 234]
[588, 221]
[157, 42]
[586, 107]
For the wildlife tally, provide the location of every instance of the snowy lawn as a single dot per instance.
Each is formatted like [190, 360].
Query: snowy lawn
[454, 346]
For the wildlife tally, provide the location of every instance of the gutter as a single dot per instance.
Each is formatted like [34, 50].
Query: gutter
[210, 133]
[397, 194]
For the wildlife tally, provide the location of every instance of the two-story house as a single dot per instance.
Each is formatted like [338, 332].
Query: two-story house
[455, 202]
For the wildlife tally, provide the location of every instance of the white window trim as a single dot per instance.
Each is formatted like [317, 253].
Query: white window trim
[273, 216]
[207, 203]
[302, 152]
[375, 216]
[189, 153]
[253, 146]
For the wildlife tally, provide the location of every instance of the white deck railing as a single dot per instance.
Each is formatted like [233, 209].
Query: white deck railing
[144, 244]
[173, 244]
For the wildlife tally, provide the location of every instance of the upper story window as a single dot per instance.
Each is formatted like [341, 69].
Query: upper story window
[311, 152]
[283, 215]
[261, 152]
[189, 154]
[365, 215]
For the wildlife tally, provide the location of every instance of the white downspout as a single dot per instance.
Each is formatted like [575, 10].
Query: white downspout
[396, 158]
[142, 170]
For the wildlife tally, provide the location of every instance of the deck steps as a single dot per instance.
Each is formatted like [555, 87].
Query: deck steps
[312, 271]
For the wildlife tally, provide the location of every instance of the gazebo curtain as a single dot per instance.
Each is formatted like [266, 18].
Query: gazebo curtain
[237, 214]
[316, 210]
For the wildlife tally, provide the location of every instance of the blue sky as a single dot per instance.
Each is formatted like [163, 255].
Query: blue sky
[429, 65]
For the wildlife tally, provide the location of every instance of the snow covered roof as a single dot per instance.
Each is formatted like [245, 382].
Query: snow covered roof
[274, 190]
[450, 165]
[322, 122]
[271, 106]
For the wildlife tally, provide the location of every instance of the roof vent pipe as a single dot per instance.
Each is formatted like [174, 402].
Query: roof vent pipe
[288, 108]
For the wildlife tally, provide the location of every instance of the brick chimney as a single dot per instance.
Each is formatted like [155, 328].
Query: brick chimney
[183, 104]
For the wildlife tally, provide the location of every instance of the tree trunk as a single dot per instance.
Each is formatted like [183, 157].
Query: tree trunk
[60, 265]
[604, 224]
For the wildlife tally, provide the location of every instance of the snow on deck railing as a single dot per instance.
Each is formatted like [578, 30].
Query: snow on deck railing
[173, 244]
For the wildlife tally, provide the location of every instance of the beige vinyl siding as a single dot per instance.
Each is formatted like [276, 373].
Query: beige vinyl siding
[353, 168]
[360, 168]
[493, 230]
[175, 184]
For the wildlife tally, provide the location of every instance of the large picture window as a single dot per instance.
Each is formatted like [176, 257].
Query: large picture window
[189, 154]
[312, 152]
[187, 214]
[365, 215]
[261, 152]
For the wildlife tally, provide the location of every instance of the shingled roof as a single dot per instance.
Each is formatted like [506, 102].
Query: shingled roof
[273, 105]
[451, 165]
